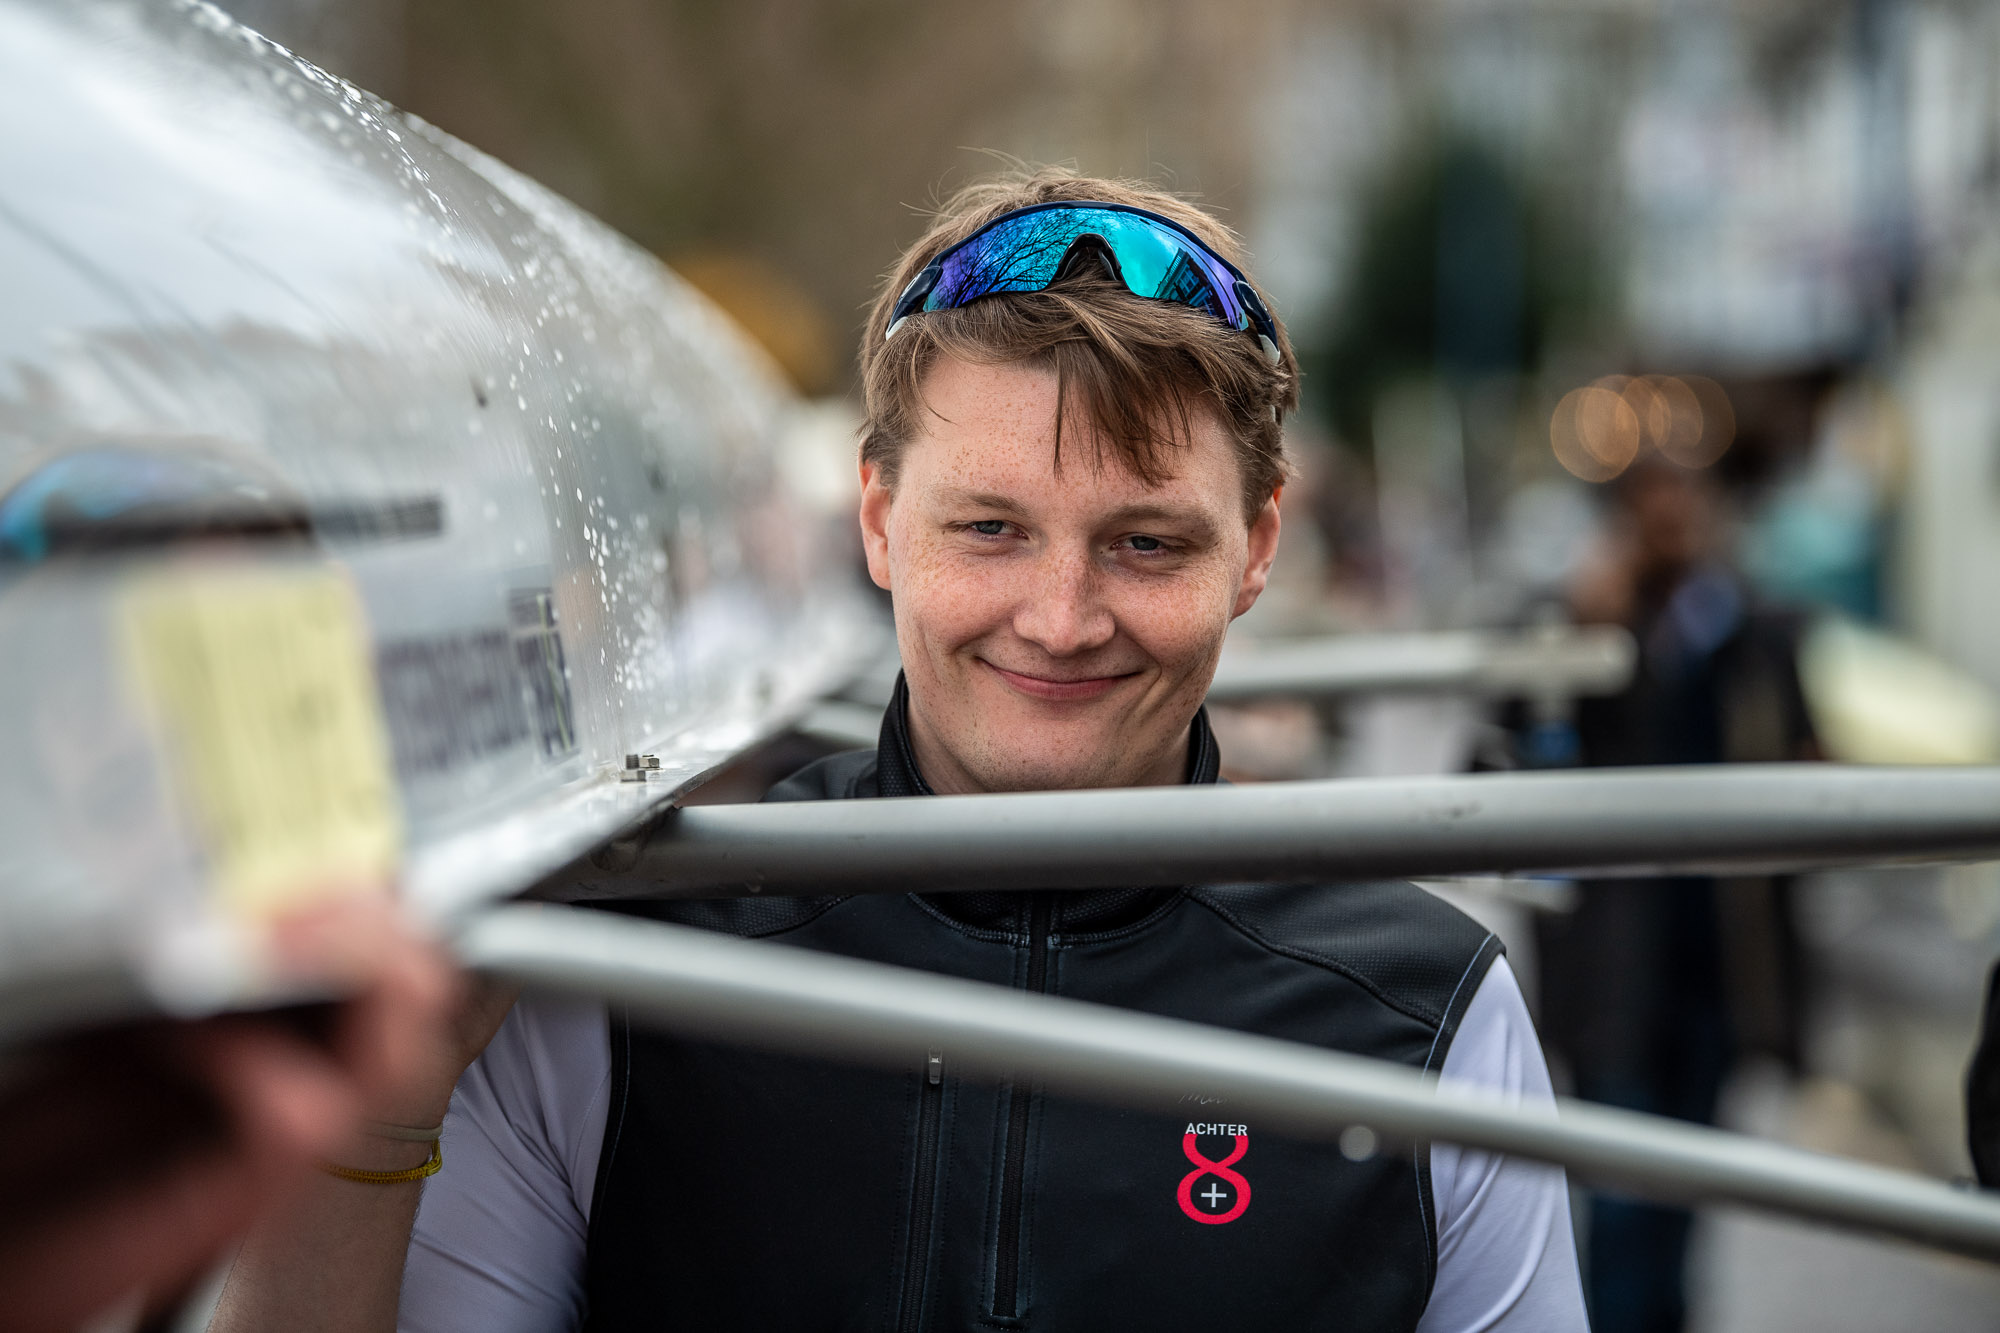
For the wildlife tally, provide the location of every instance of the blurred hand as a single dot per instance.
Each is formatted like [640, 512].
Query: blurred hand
[131, 1157]
[421, 1062]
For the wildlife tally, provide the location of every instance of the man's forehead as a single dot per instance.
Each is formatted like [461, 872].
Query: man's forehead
[991, 431]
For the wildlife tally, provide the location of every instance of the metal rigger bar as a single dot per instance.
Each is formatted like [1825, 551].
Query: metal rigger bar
[816, 1004]
[1558, 660]
[1605, 821]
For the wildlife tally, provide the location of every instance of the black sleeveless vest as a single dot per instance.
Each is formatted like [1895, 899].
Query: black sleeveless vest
[747, 1191]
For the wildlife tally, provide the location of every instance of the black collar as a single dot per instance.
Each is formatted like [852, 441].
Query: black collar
[1076, 911]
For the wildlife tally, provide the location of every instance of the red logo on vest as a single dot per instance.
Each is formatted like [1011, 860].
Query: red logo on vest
[1228, 1193]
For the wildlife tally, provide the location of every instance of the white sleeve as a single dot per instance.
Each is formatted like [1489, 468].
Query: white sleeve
[1506, 1254]
[499, 1240]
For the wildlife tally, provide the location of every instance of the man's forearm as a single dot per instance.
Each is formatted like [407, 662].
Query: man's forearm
[332, 1262]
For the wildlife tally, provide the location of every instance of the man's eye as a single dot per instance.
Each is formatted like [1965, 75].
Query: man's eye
[1147, 543]
[989, 527]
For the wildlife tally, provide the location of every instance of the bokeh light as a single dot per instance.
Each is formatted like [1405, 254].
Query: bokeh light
[1595, 433]
[1670, 418]
[1718, 425]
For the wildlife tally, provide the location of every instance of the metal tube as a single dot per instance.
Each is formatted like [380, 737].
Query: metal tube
[1558, 661]
[1607, 821]
[809, 1003]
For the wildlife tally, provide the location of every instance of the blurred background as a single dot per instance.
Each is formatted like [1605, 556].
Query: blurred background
[1676, 314]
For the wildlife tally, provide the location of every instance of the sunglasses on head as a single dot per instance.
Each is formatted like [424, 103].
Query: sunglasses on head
[1031, 248]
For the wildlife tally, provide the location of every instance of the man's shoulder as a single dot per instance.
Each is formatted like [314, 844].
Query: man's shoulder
[1411, 949]
[847, 776]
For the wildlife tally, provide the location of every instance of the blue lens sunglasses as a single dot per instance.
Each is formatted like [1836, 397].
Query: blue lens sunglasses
[1030, 248]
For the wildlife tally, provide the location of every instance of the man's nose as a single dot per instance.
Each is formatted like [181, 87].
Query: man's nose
[1061, 611]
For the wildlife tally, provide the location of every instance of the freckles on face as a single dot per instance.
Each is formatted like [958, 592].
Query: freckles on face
[1058, 629]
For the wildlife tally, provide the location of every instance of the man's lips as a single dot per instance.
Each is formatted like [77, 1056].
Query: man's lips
[1059, 690]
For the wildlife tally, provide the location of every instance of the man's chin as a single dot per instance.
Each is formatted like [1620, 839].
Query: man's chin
[1017, 780]
[1032, 771]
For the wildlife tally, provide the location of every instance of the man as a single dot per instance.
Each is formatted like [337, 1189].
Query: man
[1070, 477]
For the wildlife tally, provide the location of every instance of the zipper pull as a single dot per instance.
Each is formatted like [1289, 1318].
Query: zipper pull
[934, 1071]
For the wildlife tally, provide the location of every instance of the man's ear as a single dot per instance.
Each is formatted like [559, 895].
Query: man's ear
[876, 498]
[1263, 550]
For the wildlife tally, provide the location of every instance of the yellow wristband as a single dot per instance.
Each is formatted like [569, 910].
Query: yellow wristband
[429, 1168]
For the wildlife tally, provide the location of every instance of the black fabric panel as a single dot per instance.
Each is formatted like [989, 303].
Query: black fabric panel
[1475, 973]
[1461, 1000]
[1409, 947]
[847, 776]
[751, 1191]
[614, 1118]
[896, 760]
[750, 918]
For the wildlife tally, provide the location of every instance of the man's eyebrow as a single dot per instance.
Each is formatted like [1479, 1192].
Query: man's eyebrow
[956, 495]
[1192, 521]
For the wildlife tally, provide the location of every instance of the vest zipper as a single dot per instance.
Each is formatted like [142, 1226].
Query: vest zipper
[923, 1195]
[1014, 1162]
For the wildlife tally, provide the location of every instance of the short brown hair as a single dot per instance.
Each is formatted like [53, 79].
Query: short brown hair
[1141, 366]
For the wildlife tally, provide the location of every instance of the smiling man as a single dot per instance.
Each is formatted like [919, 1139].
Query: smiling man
[1058, 627]
[1070, 468]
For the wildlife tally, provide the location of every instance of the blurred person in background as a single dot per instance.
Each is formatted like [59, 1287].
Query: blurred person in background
[132, 1157]
[1652, 988]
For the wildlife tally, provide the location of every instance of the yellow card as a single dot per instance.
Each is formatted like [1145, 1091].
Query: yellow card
[261, 687]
